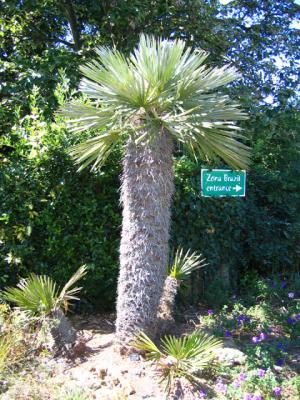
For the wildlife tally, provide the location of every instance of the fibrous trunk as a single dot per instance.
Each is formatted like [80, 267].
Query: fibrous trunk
[63, 333]
[147, 188]
[167, 304]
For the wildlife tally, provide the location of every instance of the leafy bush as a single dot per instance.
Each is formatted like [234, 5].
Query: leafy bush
[53, 219]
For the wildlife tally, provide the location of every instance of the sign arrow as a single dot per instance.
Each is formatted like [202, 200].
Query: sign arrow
[237, 188]
[223, 183]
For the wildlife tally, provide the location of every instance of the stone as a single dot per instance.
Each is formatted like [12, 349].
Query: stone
[138, 372]
[134, 357]
[102, 373]
[230, 356]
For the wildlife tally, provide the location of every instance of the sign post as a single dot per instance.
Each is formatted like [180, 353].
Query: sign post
[223, 183]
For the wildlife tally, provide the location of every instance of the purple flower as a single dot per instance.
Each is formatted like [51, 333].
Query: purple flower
[277, 391]
[236, 384]
[255, 339]
[248, 396]
[210, 312]
[261, 373]
[280, 346]
[221, 387]
[280, 362]
[283, 285]
[243, 318]
[297, 317]
[291, 295]
[241, 377]
[227, 334]
[263, 336]
[257, 397]
[291, 321]
[202, 394]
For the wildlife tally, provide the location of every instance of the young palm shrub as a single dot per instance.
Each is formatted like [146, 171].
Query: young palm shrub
[179, 271]
[39, 296]
[180, 357]
[161, 93]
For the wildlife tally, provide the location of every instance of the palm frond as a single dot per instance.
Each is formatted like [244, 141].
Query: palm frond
[194, 352]
[185, 263]
[94, 151]
[144, 343]
[180, 357]
[39, 295]
[82, 117]
[68, 292]
[35, 295]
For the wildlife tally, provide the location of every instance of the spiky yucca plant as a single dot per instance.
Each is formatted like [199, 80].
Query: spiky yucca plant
[40, 296]
[161, 93]
[180, 269]
[180, 357]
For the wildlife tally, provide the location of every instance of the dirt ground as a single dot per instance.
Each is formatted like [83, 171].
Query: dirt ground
[95, 370]
[106, 373]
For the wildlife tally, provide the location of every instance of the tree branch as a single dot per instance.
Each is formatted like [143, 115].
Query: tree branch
[72, 19]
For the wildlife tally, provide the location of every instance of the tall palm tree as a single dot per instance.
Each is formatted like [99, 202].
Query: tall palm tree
[160, 94]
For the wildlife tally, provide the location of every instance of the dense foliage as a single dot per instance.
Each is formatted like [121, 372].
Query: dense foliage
[52, 220]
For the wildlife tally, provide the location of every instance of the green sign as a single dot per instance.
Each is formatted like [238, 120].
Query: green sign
[223, 182]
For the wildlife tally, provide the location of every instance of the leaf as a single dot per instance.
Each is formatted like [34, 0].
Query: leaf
[144, 343]
[185, 263]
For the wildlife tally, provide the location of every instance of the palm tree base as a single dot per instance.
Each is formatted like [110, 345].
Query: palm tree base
[63, 334]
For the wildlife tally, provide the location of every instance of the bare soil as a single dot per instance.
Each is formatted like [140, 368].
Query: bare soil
[108, 375]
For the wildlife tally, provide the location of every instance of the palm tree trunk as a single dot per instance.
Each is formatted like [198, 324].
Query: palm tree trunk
[147, 188]
[167, 304]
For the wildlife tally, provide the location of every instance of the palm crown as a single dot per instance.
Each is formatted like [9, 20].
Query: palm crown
[161, 86]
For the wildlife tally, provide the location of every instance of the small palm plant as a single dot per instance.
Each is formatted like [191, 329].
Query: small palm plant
[180, 269]
[180, 357]
[40, 296]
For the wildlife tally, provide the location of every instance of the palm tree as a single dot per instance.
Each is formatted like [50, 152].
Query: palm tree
[183, 264]
[159, 94]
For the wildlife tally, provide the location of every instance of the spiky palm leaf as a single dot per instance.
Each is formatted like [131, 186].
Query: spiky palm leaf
[36, 295]
[145, 344]
[185, 263]
[193, 352]
[68, 292]
[180, 357]
[162, 84]
[39, 295]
